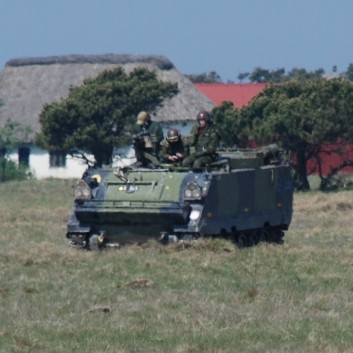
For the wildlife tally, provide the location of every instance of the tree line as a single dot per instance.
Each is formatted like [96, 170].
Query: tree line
[261, 75]
[303, 117]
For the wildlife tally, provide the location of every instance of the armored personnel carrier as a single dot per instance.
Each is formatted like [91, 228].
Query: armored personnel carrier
[244, 195]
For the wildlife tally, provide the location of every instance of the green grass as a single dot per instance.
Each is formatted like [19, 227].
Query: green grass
[210, 297]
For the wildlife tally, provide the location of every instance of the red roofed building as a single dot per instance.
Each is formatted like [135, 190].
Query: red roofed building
[238, 93]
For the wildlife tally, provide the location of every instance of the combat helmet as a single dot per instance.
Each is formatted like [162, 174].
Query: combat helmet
[173, 135]
[204, 115]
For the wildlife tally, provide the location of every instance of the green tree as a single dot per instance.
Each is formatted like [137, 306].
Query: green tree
[302, 74]
[277, 75]
[96, 115]
[260, 75]
[232, 128]
[206, 77]
[243, 76]
[12, 134]
[304, 117]
[349, 73]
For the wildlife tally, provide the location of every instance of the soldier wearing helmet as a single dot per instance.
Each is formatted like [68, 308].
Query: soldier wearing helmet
[204, 137]
[173, 149]
[147, 138]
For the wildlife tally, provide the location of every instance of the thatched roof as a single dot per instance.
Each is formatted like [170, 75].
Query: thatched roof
[27, 84]
[160, 61]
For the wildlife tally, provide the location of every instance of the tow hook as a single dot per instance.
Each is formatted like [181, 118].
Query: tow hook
[101, 239]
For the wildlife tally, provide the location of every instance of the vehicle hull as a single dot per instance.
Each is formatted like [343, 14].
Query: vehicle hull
[242, 196]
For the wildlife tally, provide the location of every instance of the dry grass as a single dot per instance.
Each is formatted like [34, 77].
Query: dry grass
[210, 297]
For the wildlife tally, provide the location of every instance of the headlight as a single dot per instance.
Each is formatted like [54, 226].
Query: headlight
[194, 215]
[82, 191]
[192, 191]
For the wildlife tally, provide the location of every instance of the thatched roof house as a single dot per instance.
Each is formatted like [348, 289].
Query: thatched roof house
[27, 84]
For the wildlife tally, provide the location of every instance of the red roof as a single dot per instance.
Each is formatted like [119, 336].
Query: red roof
[238, 93]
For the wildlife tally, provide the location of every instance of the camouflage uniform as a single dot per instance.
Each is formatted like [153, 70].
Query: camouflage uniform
[205, 140]
[147, 139]
[156, 135]
[172, 149]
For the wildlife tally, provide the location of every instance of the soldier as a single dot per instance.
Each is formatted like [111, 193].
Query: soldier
[205, 138]
[173, 149]
[147, 138]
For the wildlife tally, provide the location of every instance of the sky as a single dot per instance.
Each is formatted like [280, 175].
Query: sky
[197, 36]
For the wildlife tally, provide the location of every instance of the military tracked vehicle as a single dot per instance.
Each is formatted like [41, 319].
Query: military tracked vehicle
[244, 195]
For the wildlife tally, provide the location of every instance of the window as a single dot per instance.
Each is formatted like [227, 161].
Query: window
[23, 155]
[57, 159]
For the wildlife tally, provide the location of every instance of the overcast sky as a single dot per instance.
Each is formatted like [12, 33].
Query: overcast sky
[226, 36]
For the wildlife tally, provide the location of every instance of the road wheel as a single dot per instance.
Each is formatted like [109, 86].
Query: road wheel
[264, 235]
[253, 239]
[242, 241]
[277, 236]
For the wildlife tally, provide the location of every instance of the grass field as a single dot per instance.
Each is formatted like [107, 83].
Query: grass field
[210, 297]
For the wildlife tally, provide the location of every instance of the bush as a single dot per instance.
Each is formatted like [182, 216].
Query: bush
[9, 170]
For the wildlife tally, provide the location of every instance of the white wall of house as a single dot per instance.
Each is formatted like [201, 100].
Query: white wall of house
[39, 163]
[40, 167]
